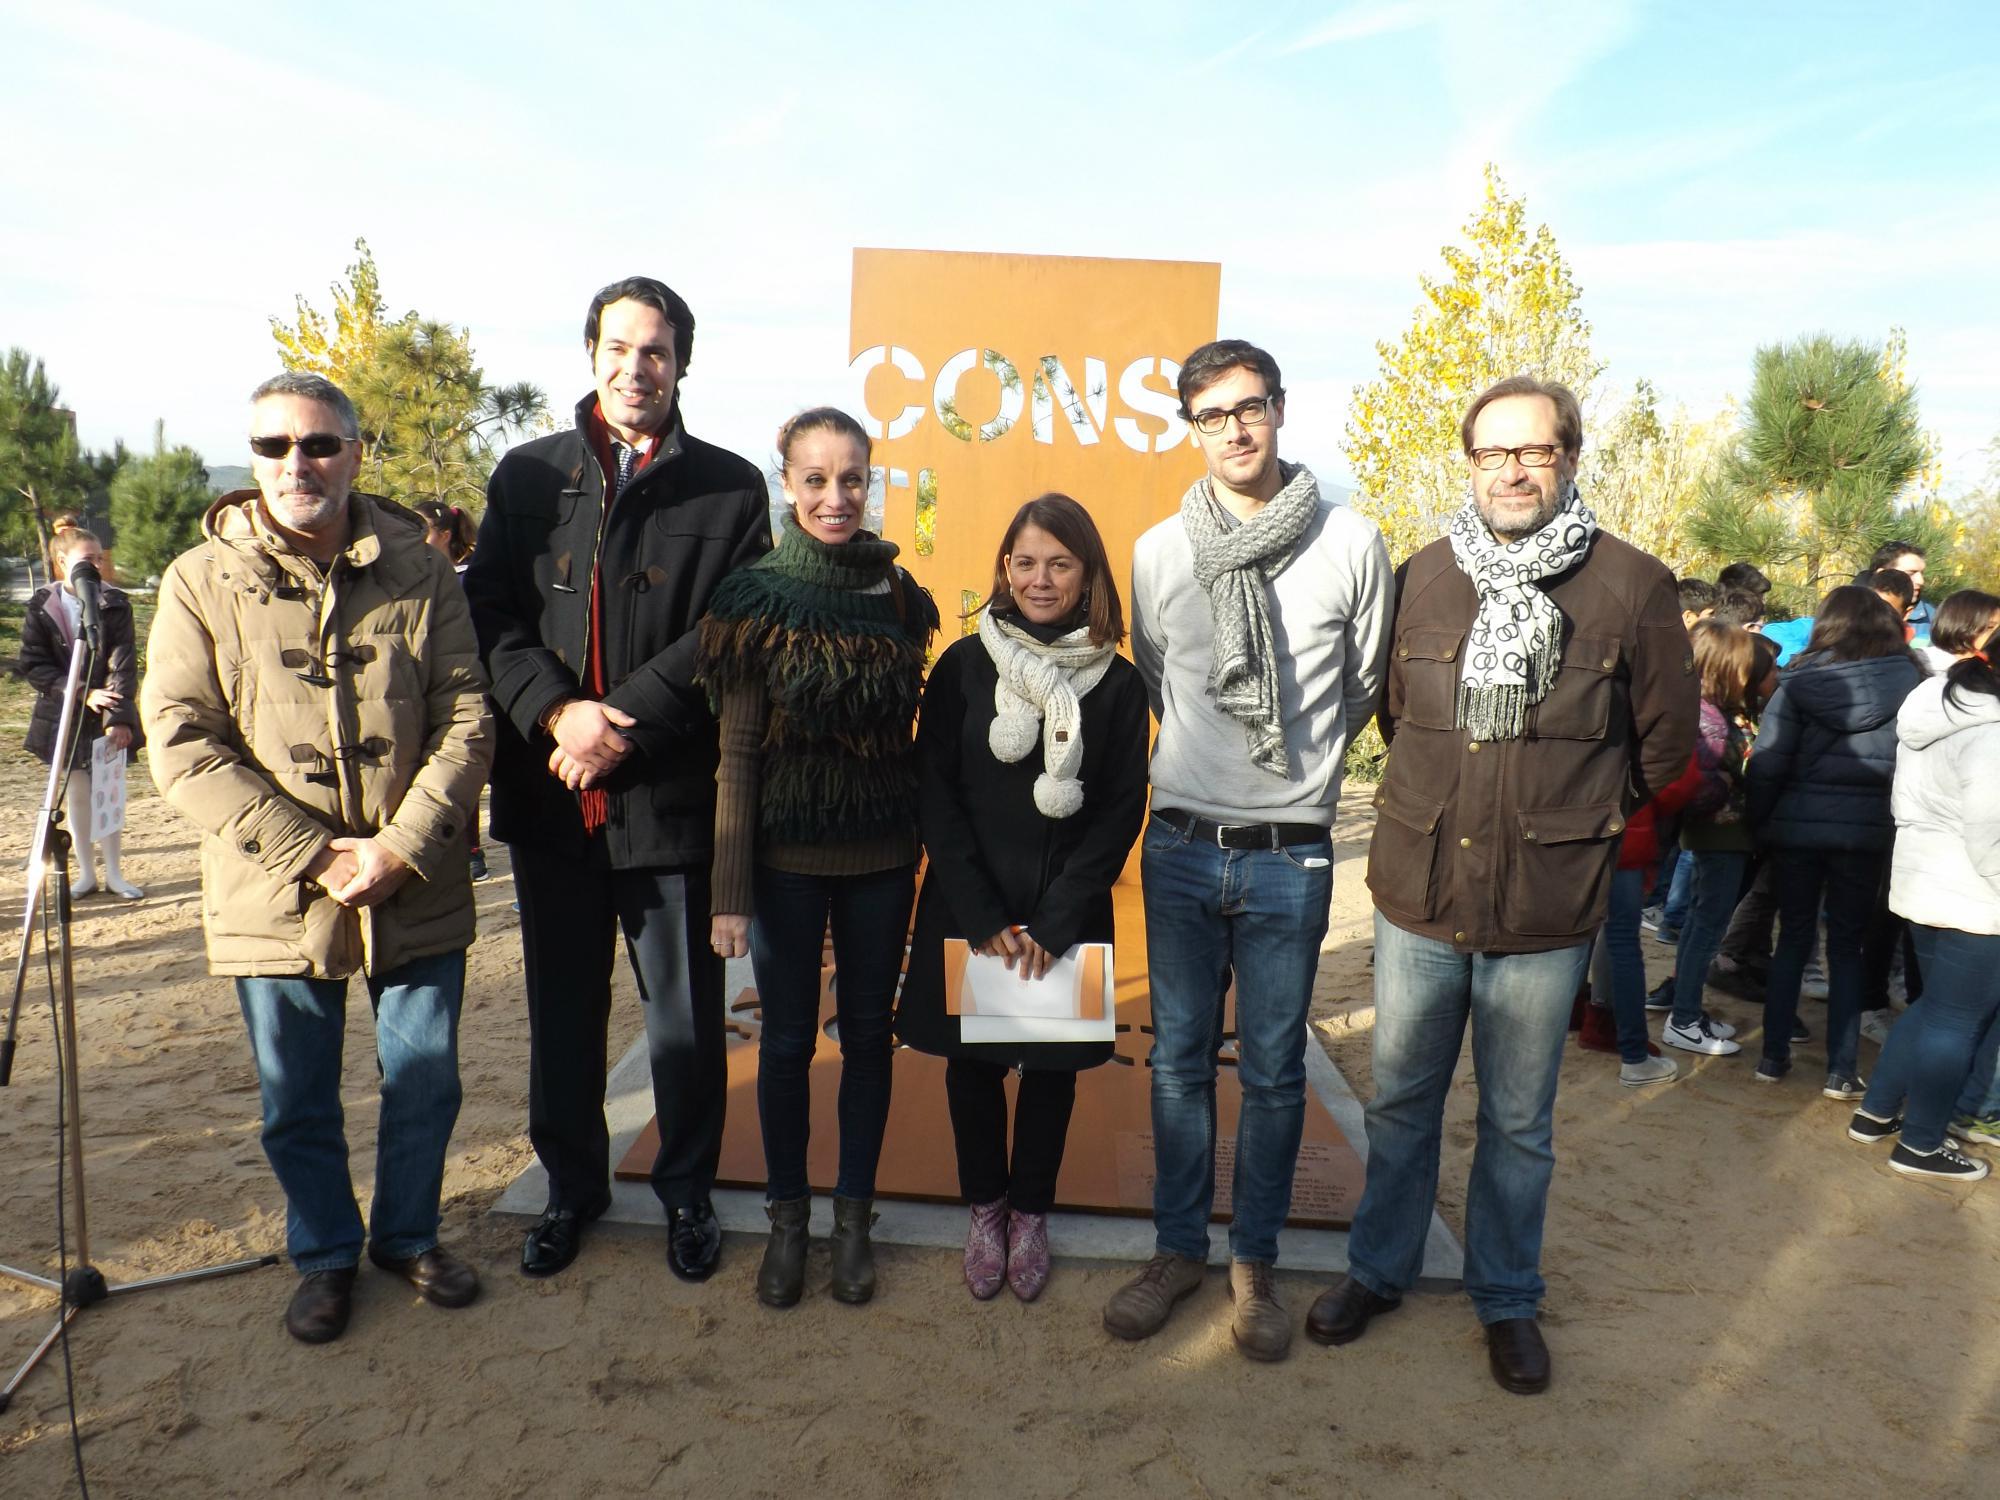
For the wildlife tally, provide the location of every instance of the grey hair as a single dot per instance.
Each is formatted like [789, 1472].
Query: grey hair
[310, 387]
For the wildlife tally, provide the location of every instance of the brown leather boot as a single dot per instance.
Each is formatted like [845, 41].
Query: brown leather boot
[1140, 1308]
[320, 1306]
[781, 1279]
[1262, 1328]
[853, 1256]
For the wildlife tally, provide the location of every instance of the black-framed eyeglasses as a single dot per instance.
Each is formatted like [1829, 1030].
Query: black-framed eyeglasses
[1252, 413]
[1532, 456]
[312, 445]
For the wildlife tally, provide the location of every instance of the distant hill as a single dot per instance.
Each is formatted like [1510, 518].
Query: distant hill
[222, 478]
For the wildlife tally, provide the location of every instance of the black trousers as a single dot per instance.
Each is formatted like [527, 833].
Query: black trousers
[977, 1094]
[570, 914]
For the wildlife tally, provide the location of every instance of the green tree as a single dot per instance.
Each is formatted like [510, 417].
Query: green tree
[1828, 444]
[1644, 471]
[41, 470]
[157, 503]
[1506, 305]
[430, 421]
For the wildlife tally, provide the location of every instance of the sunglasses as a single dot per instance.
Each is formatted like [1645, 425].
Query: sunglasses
[312, 445]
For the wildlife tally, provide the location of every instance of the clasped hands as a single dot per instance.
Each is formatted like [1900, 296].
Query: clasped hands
[588, 744]
[1021, 953]
[358, 872]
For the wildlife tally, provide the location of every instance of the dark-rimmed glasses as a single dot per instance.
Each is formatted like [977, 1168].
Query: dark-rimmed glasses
[312, 445]
[1252, 413]
[1532, 456]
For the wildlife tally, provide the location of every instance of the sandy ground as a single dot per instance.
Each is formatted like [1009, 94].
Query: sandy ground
[1741, 1301]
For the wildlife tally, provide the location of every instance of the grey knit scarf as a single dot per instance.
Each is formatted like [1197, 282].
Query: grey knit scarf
[1515, 648]
[1235, 562]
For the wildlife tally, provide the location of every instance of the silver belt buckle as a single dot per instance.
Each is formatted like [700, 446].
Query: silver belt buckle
[1224, 830]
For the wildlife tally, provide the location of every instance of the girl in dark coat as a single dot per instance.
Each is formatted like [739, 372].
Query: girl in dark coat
[1032, 761]
[449, 531]
[1816, 796]
[110, 708]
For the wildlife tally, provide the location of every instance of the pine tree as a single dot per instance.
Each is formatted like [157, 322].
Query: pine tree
[41, 470]
[1829, 441]
[157, 503]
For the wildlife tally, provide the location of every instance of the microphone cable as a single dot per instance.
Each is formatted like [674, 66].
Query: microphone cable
[62, 1219]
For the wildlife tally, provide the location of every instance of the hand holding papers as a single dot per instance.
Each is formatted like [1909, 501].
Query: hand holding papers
[1072, 1002]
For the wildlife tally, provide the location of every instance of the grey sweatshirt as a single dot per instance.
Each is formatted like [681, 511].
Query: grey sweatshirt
[1330, 616]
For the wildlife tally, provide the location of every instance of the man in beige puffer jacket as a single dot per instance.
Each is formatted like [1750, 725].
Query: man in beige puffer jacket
[313, 699]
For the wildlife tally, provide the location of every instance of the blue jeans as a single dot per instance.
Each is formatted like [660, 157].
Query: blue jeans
[1981, 1096]
[1210, 912]
[1519, 1004]
[1680, 892]
[1924, 1062]
[1852, 884]
[1717, 882]
[1618, 972]
[296, 1028]
[870, 915]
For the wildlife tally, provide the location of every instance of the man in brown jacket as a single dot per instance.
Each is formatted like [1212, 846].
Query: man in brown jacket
[314, 701]
[1540, 687]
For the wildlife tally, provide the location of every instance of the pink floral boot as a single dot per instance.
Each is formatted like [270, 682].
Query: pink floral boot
[1027, 1254]
[986, 1249]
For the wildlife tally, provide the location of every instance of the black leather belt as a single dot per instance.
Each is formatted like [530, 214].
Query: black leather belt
[1241, 835]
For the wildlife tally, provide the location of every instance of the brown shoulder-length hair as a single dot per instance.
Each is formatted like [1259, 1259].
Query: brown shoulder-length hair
[1069, 523]
[1854, 624]
[1725, 658]
[1962, 620]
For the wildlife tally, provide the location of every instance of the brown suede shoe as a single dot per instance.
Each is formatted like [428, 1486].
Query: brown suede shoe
[1519, 1358]
[440, 1277]
[1340, 1314]
[1262, 1328]
[1140, 1308]
[320, 1306]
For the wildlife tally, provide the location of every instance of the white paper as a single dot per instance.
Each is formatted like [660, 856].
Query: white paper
[107, 789]
[1011, 1009]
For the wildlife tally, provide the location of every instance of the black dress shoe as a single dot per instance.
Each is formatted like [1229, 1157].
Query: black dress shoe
[694, 1241]
[553, 1242]
[439, 1276]
[1519, 1358]
[1340, 1314]
[320, 1306]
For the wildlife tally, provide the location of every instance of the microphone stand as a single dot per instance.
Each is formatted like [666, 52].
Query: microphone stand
[48, 869]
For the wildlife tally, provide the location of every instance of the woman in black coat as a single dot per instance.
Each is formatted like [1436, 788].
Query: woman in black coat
[1031, 750]
[110, 708]
[1816, 797]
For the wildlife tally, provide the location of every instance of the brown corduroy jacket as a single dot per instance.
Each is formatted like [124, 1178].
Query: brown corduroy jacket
[1507, 846]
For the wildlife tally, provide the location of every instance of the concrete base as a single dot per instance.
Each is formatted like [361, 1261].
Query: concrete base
[629, 1108]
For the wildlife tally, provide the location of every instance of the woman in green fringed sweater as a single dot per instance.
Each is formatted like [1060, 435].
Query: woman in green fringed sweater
[813, 660]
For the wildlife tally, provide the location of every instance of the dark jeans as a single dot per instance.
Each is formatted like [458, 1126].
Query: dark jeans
[570, 912]
[1930, 1051]
[1851, 883]
[1718, 882]
[977, 1094]
[871, 918]
[1748, 940]
[1618, 968]
[1887, 935]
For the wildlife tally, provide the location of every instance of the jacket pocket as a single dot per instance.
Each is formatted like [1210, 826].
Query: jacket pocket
[1560, 872]
[1578, 705]
[1402, 856]
[1428, 659]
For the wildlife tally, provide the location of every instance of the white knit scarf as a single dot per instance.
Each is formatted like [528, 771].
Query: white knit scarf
[1038, 692]
[1515, 648]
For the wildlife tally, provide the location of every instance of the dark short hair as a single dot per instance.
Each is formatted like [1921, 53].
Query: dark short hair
[1738, 607]
[1854, 624]
[1886, 554]
[1743, 575]
[1069, 523]
[1213, 360]
[1892, 581]
[1962, 620]
[1569, 414]
[655, 294]
[1697, 594]
[820, 419]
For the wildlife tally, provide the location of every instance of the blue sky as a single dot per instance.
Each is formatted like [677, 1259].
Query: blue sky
[1718, 175]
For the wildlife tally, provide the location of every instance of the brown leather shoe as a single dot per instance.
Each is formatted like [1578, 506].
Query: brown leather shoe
[320, 1306]
[1262, 1328]
[1519, 1358]
[440, 1277]
[1140, 1308]
[1340, 1314]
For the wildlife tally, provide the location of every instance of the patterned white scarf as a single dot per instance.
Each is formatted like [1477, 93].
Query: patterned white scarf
[1038, 692]
[1516, 643]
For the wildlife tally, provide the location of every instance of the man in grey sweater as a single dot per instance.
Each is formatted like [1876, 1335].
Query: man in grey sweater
[1260, 621]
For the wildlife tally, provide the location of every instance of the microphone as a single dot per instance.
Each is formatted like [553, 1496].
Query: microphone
[88, 585]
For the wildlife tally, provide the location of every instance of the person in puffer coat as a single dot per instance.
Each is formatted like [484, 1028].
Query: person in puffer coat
[1817, 798]
[313, 700]
[1946, 880]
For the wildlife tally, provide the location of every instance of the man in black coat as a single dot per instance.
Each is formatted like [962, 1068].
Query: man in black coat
[595, 560]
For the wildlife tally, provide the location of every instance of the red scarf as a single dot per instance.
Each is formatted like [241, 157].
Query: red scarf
[594, 802]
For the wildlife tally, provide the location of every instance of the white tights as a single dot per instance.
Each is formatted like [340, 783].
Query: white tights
[111, 844]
